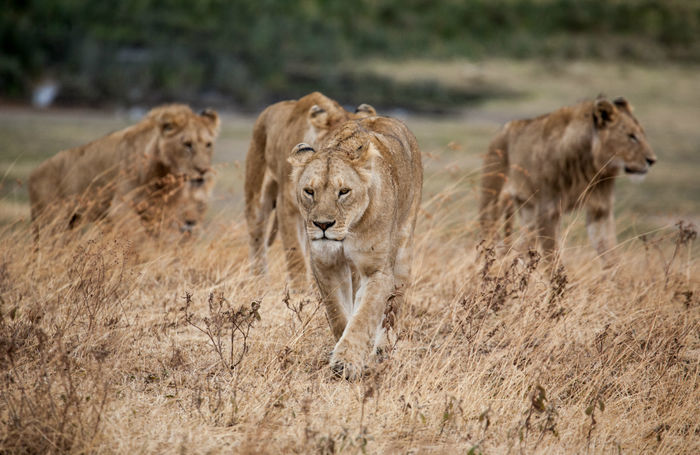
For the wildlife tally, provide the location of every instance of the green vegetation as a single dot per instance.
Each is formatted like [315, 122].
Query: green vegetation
[253, 52]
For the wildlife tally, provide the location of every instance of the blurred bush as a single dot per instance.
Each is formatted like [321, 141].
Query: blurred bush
[251, 52]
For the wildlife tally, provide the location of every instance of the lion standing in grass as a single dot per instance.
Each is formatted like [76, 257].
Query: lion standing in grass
[279, 128]
[547, 166]
[179, 206]
[359, 196]
[115, 176]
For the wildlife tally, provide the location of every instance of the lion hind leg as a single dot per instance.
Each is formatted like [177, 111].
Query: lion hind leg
[257, 214]
[291, 230]
[385, 336]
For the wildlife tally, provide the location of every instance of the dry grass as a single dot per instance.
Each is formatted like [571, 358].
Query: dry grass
[109, 343]
[108, 346]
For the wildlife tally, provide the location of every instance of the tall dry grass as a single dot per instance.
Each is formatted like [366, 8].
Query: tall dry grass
[112, 344]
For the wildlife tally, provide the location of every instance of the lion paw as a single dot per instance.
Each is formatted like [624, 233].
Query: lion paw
[347, 367]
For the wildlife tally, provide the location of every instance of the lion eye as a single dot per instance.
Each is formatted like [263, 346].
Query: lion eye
[197, 182]
[188, 144]
[632, 137]
[309, 191]
[343, 191]
[208, 144]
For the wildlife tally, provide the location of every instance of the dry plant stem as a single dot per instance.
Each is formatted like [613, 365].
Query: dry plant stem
[100, 353]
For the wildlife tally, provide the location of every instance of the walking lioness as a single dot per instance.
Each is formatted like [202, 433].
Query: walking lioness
[359, 196]
[543, 167]
[279, 128]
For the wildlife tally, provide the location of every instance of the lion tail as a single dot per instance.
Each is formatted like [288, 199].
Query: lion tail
[494, 175]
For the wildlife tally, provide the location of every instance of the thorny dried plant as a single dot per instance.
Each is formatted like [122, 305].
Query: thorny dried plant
[540, 415]
[495, 288]
[684, 236]
[590, 411]
[52, 399]
[227, 329]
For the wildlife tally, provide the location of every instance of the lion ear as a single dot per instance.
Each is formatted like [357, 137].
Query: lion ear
[623, 104]
[365, 110]
[301, 153]
[365, 154]
[211, 117]
[318, 116]
[168, 127]
[604, 113]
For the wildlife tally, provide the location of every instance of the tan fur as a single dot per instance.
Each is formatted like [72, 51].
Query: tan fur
[359, 196]
[193, 203]
[115, 175]
[547, 166]
[179, 207]
[279, 128]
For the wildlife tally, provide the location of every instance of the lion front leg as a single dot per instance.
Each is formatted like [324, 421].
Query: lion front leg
[349, 355]
[333, 276]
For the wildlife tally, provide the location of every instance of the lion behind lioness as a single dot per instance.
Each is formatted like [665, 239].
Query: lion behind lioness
[359, 196]
[279, 128]
[543, 167]
[178, 206]
[114, 175]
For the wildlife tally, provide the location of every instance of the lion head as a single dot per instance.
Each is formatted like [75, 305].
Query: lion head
[186, 140]
[325, 114]
[621, 142]
[332, 186]
[192, 202]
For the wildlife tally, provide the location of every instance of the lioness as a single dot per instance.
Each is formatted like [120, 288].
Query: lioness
[179, 205]
[552, 164]
[193, 203]
[279, 128]
[359, 197]
[106, 176]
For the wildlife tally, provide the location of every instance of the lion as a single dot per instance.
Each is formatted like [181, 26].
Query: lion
[179, 205]
[359, 197]
[192, 204]
[279, 128]
[568, 159]
[113, 176]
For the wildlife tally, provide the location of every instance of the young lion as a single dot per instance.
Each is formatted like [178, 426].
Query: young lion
[193, 203]
[359, 197]
[555, 163]
[119, 172]
[178, 206]
[279, 128]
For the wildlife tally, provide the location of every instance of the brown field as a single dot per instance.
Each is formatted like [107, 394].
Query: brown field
[109, 343]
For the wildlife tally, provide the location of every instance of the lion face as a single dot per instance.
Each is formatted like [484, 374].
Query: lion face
[192, 203]
[622, 143]
[331, 190]
[186, 142]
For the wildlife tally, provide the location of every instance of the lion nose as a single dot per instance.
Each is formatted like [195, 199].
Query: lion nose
[651, 161]
[188, 226]
[323, 225]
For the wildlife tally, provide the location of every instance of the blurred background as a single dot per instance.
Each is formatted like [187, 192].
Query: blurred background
[74, 70]
[245, 54]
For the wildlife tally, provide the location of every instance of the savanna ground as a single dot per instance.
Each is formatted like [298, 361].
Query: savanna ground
[108, 344]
